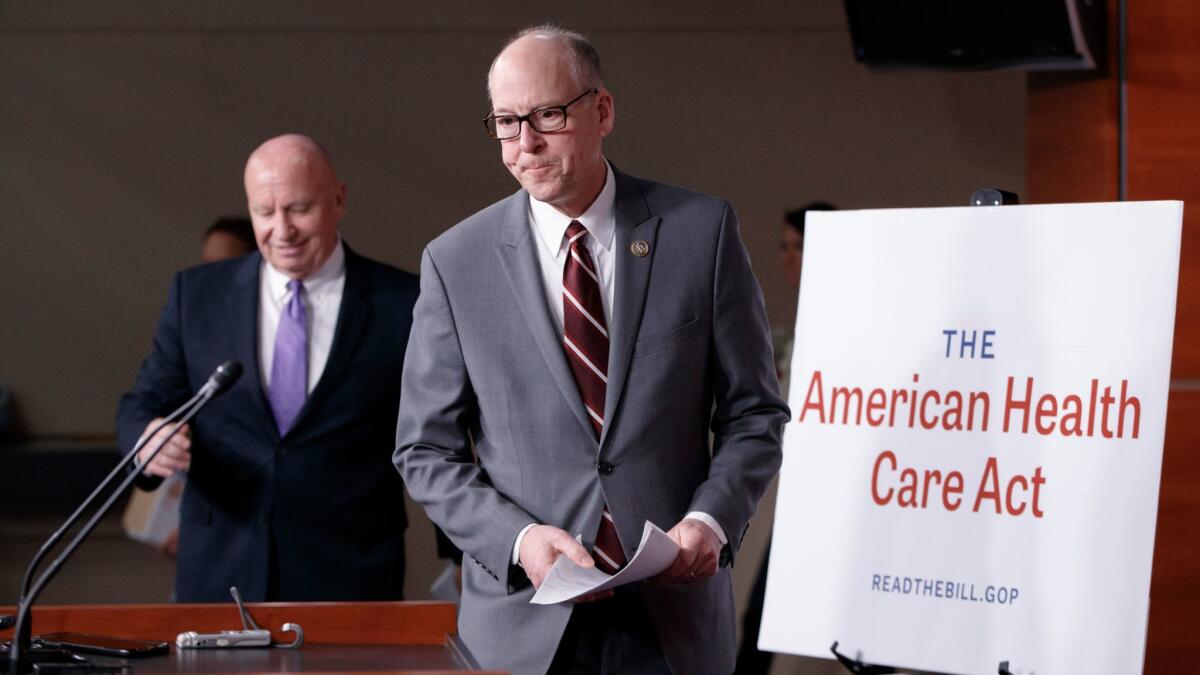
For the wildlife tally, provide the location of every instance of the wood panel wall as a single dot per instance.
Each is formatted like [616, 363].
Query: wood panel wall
[1071, 155]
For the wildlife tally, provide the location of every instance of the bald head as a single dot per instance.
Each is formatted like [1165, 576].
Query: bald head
[291, 149]
[295, 203]
[563, 47]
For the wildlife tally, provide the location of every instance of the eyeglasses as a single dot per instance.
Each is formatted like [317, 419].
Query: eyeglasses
[543, 120]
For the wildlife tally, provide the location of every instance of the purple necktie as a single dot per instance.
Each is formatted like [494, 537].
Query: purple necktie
[289, 366]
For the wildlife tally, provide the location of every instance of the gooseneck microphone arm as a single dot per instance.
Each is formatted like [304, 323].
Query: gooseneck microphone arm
[221, 379]
[117, 471]
[224, 377]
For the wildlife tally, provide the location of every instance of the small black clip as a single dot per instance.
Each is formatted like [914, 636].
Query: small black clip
[994, 197]
[857, 666]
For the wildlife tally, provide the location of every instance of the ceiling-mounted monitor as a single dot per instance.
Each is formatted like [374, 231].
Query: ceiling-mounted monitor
[978, 34]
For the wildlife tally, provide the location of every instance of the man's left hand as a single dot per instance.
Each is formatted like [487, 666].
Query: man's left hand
[699, 552]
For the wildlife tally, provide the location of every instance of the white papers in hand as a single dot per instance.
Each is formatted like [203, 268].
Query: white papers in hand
[567, 581]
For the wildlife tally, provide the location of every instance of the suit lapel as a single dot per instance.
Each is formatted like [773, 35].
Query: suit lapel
[353, 316]
[632, 275]
[519, 259]
[244, 309]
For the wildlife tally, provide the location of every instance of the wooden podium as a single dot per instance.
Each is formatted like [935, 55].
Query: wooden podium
[394, 637]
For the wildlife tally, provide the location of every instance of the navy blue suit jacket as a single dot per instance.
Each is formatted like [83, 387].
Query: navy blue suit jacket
[319, 513]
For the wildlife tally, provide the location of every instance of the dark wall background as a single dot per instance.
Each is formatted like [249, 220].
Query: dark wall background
[124, 126]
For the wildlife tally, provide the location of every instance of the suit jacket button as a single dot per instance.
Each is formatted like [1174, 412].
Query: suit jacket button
[605, 468]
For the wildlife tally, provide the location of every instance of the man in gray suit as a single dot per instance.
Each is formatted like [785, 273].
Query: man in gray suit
[573, 346]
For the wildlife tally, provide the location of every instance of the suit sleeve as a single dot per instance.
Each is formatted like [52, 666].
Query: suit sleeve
[162, 382]
[438, 411]
[748, 415]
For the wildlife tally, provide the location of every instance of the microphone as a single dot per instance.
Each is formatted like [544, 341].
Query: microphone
[221, 380]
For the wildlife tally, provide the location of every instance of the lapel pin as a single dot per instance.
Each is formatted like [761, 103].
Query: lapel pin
[640, 248]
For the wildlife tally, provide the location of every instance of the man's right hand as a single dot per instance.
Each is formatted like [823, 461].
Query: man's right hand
[541, 547]
[176, 454]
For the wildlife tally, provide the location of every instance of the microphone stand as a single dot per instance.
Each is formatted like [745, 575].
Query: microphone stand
[121, 468]
[21, 654]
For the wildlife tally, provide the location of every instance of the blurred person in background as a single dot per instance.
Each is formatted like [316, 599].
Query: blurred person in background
[228, 237]
[290, 494]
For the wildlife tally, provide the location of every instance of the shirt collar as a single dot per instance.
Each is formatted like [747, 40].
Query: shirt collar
[550, 224]
[316, 283]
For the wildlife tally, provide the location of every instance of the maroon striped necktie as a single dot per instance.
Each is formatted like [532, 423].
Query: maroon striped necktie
[585, 339]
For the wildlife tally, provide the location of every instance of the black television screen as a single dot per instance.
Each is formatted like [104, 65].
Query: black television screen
[975, 33]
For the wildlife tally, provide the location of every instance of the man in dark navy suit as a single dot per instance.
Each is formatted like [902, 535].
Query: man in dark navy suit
[290, 494]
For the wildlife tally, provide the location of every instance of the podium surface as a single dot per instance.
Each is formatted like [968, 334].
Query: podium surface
[395, 637]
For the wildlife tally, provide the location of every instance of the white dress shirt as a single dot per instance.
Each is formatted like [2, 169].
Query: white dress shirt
[549, 227]
[322, 300]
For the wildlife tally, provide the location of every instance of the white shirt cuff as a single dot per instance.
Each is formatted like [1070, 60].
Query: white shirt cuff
[516, 556]
[707, 520]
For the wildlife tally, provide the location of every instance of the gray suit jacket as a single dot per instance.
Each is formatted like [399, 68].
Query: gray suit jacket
[690, 352]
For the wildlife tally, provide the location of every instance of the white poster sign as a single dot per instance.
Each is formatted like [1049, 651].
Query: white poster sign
[971, 470]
